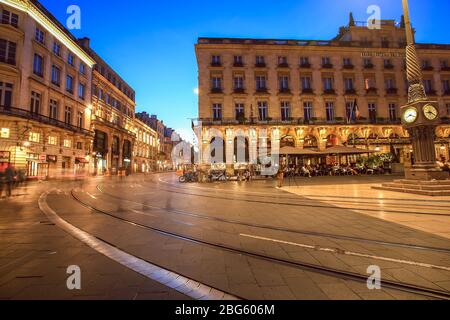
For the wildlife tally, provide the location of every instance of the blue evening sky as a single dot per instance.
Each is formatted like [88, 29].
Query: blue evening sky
[151, 43]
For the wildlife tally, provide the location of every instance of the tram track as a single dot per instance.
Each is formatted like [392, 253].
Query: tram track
[288, 230]
[290, 197]
[345, 275]
[303, 203]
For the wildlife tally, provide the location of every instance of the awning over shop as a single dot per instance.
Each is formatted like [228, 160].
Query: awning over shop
[291, 151]
[345, 150]
[81, 160]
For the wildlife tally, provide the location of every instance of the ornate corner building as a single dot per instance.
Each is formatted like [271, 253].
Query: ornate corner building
[317, 94]
[45, 95]
[113, 104]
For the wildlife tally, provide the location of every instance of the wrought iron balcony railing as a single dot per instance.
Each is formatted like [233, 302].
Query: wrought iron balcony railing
[28, 115]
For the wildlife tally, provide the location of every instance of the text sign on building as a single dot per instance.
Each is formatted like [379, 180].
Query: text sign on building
[4, 133]
[4, 156]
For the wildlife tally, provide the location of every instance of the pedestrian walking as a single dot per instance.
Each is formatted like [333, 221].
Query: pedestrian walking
[280, 178]
[2, 183]
[9, 179]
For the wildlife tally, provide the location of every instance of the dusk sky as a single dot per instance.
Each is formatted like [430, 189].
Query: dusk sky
[151, 43]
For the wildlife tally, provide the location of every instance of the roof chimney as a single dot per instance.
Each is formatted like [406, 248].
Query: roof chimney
[85, 42]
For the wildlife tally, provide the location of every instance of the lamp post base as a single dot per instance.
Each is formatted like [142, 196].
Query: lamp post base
[425, 173]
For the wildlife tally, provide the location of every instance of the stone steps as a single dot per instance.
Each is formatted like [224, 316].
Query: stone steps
[426, 188]
[413, 186]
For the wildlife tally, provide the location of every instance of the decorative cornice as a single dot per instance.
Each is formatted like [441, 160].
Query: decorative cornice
[33, 11]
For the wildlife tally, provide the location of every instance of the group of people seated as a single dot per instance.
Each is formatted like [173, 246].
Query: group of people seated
[317, 170]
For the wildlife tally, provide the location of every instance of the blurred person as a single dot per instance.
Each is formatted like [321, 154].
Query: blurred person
[280, 178]
[9, 179]
[2, 184]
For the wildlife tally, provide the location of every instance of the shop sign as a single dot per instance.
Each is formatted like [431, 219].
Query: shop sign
[52, 159]
[42, 157]
[5, 156]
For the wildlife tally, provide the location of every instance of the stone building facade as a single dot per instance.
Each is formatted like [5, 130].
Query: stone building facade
[316, 94]
[145, 148]
[113, 104]
[45, 93]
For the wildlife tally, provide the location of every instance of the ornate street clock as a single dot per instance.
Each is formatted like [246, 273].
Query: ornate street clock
[420, 116]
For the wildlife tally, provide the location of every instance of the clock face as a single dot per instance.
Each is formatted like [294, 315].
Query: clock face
[410, 115]
[430, 112]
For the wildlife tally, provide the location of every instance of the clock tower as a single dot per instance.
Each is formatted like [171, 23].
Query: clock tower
[420, 116]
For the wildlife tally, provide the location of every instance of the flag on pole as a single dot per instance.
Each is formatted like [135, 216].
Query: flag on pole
[357, 113]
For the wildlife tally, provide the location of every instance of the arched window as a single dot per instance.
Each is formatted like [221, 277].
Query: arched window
[241, 150]
[310, 142]
[287, 141]
[332, 141]
[352, 139]
[217, 149]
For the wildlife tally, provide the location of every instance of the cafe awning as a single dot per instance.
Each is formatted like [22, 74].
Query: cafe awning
[291, 151]
[345, 150]
[81, 160]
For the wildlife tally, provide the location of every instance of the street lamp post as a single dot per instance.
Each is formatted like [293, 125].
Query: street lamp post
[420, 116]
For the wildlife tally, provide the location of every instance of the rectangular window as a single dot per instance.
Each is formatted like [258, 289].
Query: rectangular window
[283, 82]
[217, 112]
[52, 140]
[447, 106]
[10, 18]
[53, 109]
[8, 52]
[238, 60]
[262, 110]
[38, 65]
[70, 59]
[240, 111]
[428, 85]
[34, 137]
[347, 62]
[56, 76]
[216, 60]
[238, 82]
[67, 143]
[392, 112]
[285, 111]
[57, 49]
[306, 83]
[348, 84]
[329, 106]
[81, 91]
[307, 110]
[328, 83]
[216, 83]
[80, 121]
[40, 36]
[282, 60]
[6, 94]
[260, 60]
[79, 145]
[349, 111]
[35, 104]
[68, 115]
[446, 86]
[69, 84]
[372, 112]
[304, 61]
[82, 68]
[260, 83]
[390, 84]
[4, 133]
[326, 61]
